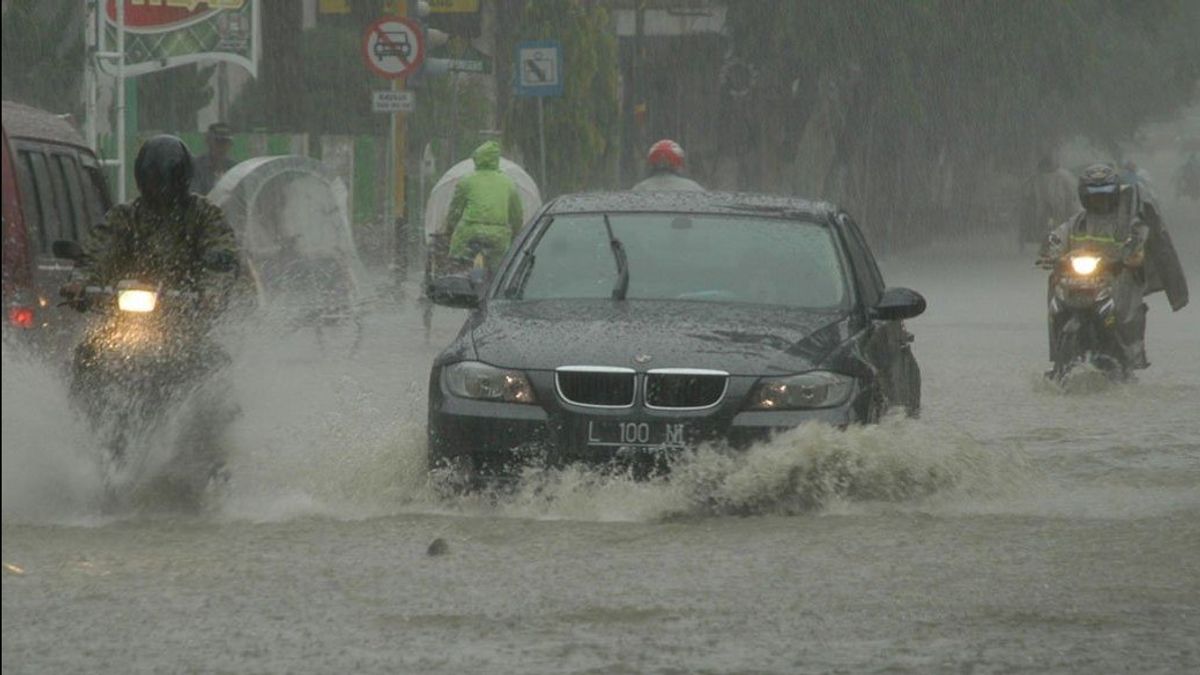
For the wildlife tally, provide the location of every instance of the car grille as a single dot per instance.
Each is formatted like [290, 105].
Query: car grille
[685, 388]
[596, 386]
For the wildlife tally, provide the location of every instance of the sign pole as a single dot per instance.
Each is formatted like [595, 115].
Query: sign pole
[400, 209]
[539, 66]
[542, 136]
[120, 102]
[394, 47]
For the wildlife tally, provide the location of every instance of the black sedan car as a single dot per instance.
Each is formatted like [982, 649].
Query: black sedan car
[626, 326]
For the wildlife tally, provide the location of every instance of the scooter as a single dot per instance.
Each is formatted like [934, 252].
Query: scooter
[1082, 314]
[147, 360]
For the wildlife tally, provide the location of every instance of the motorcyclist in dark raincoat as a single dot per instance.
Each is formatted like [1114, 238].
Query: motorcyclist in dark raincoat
[1121, 221]
[167, 236]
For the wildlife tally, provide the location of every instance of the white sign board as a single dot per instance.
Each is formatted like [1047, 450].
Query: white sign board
[539, 68]
[393, 100]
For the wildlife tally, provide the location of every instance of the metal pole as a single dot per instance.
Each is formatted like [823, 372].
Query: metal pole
[542, 138]
[91, 91]
[390, 173]
[453, 117]
[121, 101]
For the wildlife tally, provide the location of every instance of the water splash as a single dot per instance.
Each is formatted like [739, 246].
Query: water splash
[50, 471]
[808, 469]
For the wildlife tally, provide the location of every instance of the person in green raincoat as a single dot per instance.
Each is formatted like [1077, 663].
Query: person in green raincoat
[485, 210]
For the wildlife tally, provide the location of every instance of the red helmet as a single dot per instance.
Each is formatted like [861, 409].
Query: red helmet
[665, 154]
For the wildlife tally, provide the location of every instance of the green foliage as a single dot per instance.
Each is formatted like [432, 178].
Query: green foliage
[581, 125]
[43, 54]
[326, 90]
[940, 92]
[169, 99]
[452, 122]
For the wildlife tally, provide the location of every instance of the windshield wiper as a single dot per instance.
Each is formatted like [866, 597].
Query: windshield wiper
[618, 249]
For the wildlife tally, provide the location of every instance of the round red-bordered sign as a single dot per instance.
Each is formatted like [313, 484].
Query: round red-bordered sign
[393, 47]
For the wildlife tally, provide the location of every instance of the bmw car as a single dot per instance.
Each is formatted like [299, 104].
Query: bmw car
[626, 326]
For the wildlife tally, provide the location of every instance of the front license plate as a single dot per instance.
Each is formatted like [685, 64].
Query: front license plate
[650, 435]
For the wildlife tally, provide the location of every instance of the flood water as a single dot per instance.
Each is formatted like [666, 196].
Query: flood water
[1012, 528]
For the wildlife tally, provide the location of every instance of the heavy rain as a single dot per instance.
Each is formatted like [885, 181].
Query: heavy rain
[601, 336]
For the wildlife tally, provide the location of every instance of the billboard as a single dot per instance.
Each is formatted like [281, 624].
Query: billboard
[161, 34]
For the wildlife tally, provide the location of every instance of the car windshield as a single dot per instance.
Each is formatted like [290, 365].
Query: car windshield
[706, 258]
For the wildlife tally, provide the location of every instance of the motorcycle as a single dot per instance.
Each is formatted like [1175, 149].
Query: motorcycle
[145, 366]
[1082, 314]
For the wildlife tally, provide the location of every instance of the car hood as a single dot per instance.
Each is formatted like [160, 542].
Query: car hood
[739, 339]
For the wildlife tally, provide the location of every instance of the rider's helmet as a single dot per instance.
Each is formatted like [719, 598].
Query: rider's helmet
[1100, 189]
[665, 155]
[163, 171]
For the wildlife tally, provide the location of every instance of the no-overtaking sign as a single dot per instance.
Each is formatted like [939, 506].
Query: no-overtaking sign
[393, 47]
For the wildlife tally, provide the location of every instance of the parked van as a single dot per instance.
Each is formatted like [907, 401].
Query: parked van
[52, 189]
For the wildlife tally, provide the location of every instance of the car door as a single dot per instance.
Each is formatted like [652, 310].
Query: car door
[888, 343]
[55, 208]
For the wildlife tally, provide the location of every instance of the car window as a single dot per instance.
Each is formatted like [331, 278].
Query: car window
[95, 193]
[49, 198]
[31, 201]
[68, 170]
[705, 258]
[870, 281]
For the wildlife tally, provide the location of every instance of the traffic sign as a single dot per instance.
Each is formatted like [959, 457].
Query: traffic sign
[393, 47]
[393, 100]
[539, 68]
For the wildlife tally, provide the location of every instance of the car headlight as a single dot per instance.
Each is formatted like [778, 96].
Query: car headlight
[816, 389]
[472, 379]
[137, 300]
[1084, 264]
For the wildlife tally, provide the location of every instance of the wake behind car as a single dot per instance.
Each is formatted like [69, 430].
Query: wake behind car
[629, 327]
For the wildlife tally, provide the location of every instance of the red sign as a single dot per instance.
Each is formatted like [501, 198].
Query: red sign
[156, 15]
[394, 47]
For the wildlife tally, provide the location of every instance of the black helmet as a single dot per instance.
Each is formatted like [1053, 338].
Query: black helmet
[1099, 189]
[163, 170]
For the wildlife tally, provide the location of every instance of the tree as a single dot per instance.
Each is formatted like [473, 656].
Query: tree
[581, 125]
[910, 113]
[43, 54]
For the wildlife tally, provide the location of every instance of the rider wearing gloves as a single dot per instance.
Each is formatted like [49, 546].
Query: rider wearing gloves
[665, 160]
[1120, 222]
[485, 210]
[166, 234]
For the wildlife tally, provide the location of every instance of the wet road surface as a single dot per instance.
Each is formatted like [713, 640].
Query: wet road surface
[1013, 528]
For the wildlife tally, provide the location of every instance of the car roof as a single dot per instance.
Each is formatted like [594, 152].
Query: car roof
[22, 121]
[693, 202]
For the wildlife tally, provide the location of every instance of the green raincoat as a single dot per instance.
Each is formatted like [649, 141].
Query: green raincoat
[485, 208]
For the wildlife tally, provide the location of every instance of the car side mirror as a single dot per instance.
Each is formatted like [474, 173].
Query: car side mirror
[898, 304]
[67, 250]
[453, 291]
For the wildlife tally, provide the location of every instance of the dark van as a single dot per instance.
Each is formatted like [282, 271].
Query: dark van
[52, 189]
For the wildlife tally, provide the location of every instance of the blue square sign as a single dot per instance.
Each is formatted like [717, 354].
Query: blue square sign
[539, 68]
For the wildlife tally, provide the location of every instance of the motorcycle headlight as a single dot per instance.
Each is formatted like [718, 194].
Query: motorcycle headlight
[1084, 264]
[137, 300]
[816, 389]
[472, 379]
